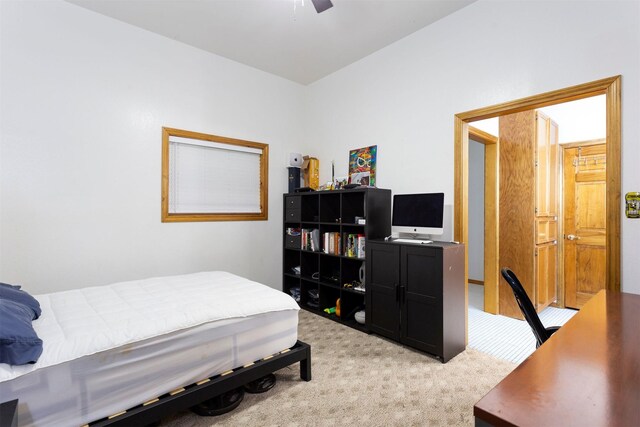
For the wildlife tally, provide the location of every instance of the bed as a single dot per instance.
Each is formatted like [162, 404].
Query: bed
[133, 352]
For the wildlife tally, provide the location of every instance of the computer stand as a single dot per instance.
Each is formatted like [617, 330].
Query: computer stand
[412, 238]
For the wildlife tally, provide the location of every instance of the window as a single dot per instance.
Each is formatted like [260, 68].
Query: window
[212, 178]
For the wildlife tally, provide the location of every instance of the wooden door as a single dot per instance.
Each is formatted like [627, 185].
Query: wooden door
[516, 207]
[585, 230]
[546, 210]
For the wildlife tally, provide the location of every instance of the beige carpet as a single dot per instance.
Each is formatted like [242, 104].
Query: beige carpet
[364, 380]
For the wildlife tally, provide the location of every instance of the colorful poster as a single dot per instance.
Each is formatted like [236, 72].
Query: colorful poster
[362, 166]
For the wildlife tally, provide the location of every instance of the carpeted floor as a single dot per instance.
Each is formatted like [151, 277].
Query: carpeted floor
[361, 379]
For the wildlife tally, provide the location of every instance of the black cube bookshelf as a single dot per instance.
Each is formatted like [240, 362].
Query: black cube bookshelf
[329, 268]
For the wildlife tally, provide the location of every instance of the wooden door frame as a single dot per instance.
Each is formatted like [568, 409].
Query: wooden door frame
[611, 87]
[491, 271]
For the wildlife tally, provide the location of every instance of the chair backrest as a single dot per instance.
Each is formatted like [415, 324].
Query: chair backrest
[526, 306]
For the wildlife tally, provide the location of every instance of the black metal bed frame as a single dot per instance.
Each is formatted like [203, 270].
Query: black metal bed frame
[193, 394]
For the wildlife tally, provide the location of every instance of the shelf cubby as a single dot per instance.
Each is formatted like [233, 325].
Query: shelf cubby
[305, 287]
[330, 207]
[330, 270]
[290, 282]
[309, 265]
[328, 296]
[309, 209]
[353, 205]
[349, 304]
[351, 269]
[291, 260]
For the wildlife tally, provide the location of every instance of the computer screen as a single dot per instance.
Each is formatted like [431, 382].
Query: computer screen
[418, 213]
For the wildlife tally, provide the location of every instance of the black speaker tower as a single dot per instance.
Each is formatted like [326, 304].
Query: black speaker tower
[294, 178]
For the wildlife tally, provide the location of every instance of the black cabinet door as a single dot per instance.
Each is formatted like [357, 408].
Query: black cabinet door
[382, 279]
[421, 297]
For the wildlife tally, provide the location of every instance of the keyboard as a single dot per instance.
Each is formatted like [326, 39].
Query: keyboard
[416, 241]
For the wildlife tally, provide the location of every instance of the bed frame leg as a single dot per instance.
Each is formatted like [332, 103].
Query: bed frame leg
[305, 366]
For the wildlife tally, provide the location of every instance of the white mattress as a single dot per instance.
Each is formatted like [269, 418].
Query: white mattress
[109, 348]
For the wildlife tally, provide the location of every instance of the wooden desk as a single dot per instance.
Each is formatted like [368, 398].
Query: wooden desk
[586, 374]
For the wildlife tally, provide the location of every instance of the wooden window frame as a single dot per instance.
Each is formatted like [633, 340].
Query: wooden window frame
[196, 217]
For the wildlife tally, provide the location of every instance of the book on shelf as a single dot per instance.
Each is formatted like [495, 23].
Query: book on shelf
[310, 239]
[354, 245]
[332, 243]
[360, 249]
[350, 245]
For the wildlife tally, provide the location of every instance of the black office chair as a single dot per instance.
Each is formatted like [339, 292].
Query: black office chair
[541, 333]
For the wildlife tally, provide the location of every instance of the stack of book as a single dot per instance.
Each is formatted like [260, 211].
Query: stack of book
[331, 243]
[310, 239]
[354, 245]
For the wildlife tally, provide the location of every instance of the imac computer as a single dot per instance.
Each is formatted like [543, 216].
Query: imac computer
[416, 217]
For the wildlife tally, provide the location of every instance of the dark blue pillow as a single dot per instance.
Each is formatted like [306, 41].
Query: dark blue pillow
[10, 286]
[21, 297]
[19, 343]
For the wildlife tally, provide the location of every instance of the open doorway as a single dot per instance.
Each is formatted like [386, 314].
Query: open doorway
[574, 201]
[611, 89]
[482, 243]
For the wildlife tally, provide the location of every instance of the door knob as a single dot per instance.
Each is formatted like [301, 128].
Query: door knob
[573, 237]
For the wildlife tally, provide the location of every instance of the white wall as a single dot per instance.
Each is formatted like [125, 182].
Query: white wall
[475, 247]
[83, 98]
[83, 101]
[403, 98]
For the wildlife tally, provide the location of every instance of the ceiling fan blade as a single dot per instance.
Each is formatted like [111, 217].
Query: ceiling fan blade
[322, 5]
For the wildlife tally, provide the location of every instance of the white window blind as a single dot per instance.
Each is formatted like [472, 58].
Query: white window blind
[210, 177]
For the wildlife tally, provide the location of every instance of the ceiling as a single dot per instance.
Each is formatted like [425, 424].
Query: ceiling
[283, 37]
